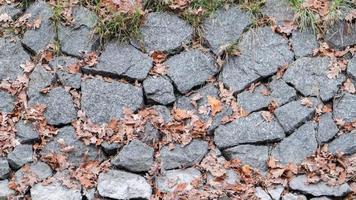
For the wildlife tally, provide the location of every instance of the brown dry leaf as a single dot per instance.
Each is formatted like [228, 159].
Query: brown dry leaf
[158, 56]
[179, 4]
[281, 70]
[267, 116]
[37, 23]
[214, 164]
[334, 71]
[306, 102]
[5, 18]
[246, 170]
[90, 59]
[215, 105]
[265, 92]
[28, 67]
[180, 114]
[348, 86]
[74, 68]
[158, 69]
[319, 6]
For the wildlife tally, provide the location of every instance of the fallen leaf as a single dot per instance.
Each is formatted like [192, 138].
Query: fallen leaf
[267, 116]
[215, 105]
[306, 102]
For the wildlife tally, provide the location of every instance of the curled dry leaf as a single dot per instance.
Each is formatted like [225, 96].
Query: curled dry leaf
[267, 116]
[348, 86]
[215, 105]
[306, 102]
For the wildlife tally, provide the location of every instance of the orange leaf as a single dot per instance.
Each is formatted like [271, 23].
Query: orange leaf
[214, 104]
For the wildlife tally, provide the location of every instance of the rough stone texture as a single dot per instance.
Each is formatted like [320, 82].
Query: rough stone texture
[303, 42]
[150, 135]
[39, 169]
[159, 89]
[135, 156]
[318, 189]
[327, 128]
[254, 63]
[185, 156]
[7, 102]
[102, 101]
[255, 156]
[59, 106]
[4, 168]
[275, 191]
[61, 64]
[291, 196]
[345, 107]
[190, 68]
[225, 27]
[171, 179]
[280, 10]
[296, 147]
[279, 91]
[80, 150]
[12, 55]
[11, 10]
[320, 198]
[54, 191]
[163, 112]
[341, 34]
[294, 114]
[162, 31]
[26, 133]
[351, 68]
[261, 194]
[21, 155]
[122, 60]
[40, 78]
[110, 149]
[123, 185]
[5, 191]
[230, 178]
[250, 129]
[309, 76]
[38, 39]
[84, 17]
[345, 143]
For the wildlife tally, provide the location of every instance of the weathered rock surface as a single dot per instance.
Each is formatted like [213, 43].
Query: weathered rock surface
[40, 78]
[303, 42]
[150, 134]
[11, 10]
[61, 65]
[54, 191]
[318, 189]
[59, 106]
[230, 178]
[280, 10]
[225, 27]
[102, 101]
[254, 63]
[327, 128]
[190, 68]
[171, 179]
[291, 196]
[38, 39]
[163, 113]
[294, 114]
[344, 143]
[185, 156]
[117, 184]
[84, 17]
[5, 191]
[39, 170]
[159, 89]
[80, 151]
[345, 107]
[122, 60]
[351, 68]
[7, 102]
[296, 147]
[250, 129]
[21, 155]
[110, 148]
[26, 133]
[309, 76]
[261, 194]
[12, 56]
[255, 156]
[135, 156]
[162, 31]
[341, 34]
[4, 168]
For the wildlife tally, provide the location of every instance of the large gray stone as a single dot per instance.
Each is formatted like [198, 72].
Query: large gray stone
[291, 196]
[294, 114]
[117, 184]
[150, 134]
[255, 156]
[162, 31]
[122, 60]
[190, 68]
[341, 34]
[4, 168]
[185, 156]
[345, 107]
[225, 27]
[298, 146]
[12, 55]
[102, 101]
[38, 39]
[171, 179]
[26, 133]
[59, 106]
[21, 155]
[40, 78]
[262, 194]
[54, 191]
[163, 113]
[344, 143]
[280, 10]
[318, 189]
[250, 129]
[11, 10]
[7, 102]
[277, 91]
[303, 42]
[5, 191]
[80, 151]
[135, 156]
[84, 17]
[40, 170]
[351, 68]
[61, 65]
[254, 63]
[159, 89]
[327, 128]
[309, 76]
